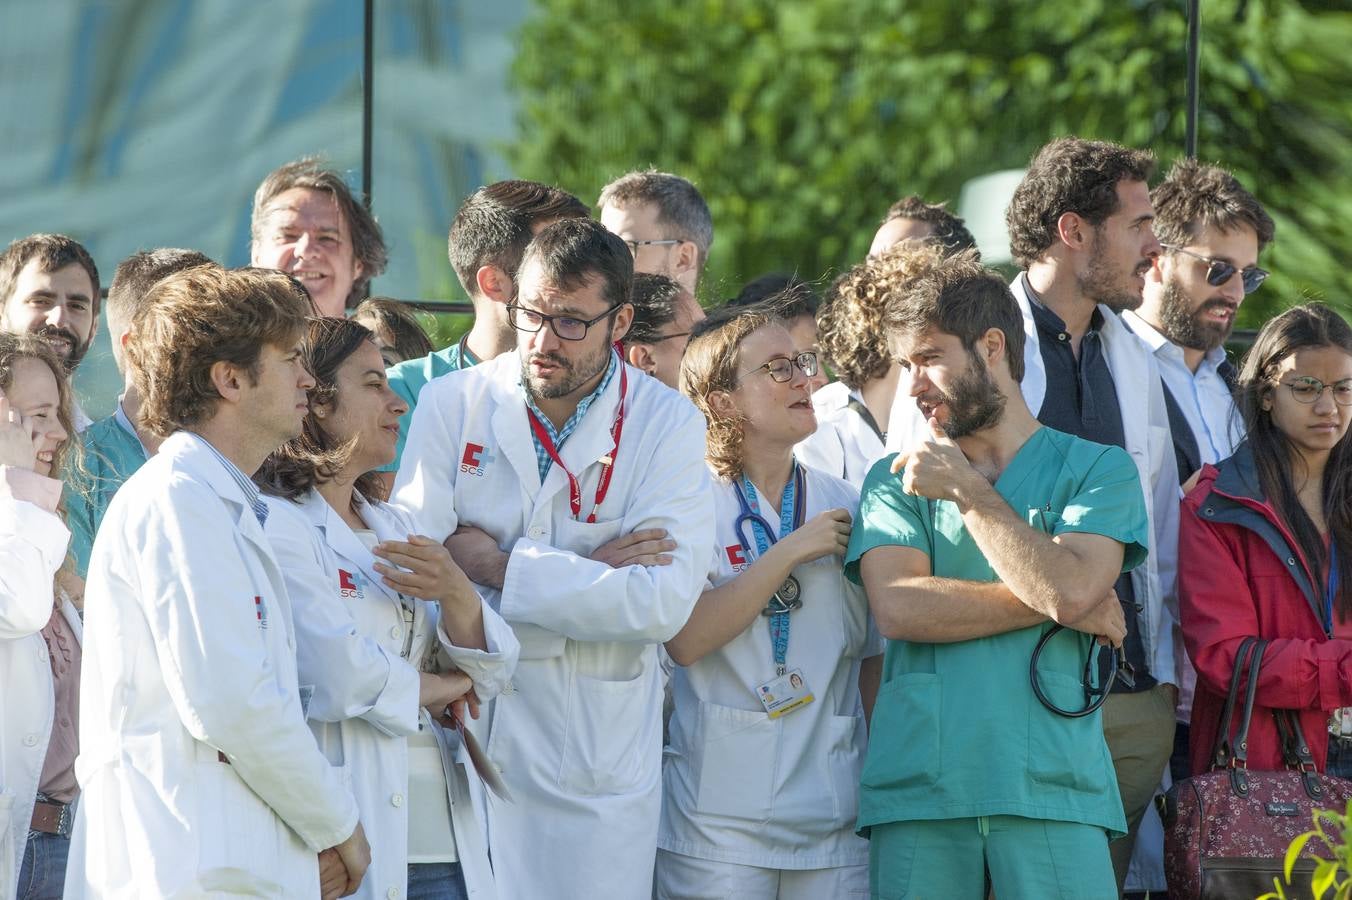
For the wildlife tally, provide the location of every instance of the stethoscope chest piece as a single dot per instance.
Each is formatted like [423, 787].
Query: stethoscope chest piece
[785, 600]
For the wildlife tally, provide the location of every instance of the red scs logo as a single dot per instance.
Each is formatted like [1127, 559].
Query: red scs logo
[475, 459]
[736, 558]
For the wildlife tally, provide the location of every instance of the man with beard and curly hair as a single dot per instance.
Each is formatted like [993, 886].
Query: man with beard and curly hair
[49, 286]
[1212, 231]
[1080, 227]
[970, 545]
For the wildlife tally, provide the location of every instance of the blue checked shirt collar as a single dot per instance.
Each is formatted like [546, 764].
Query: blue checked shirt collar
[251, 494]
[542, 459]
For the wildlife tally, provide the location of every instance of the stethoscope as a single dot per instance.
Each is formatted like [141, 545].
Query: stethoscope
[789, 596]
[1094, 694]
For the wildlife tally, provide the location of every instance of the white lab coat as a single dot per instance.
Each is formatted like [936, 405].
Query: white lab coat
[32, 546]
[1145, 424]
[843, 444]
[190, 650]
[740, 787]
[351, 636]
[578, 733]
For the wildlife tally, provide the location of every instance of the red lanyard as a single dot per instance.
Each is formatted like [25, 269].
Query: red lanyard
[607, 462]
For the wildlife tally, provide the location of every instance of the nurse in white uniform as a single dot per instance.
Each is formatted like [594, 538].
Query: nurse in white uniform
[779, 661]
[420, 637]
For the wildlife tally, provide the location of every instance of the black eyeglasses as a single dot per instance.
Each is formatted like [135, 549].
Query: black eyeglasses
[667, 337]
[1219, 271]
[781, 367]
[1307, 390]
[634, 245]
[566, 328]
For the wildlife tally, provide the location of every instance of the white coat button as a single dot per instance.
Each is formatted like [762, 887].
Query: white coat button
[397, 800]
[393, 893]
[30, 740]
[509, 688]
[396, 632]
[535, 531]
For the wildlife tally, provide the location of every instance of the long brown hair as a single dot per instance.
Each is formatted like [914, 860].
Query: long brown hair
[1312, 326]
[314, 457]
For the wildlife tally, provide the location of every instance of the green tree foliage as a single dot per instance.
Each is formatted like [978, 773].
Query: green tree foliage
[802, 120]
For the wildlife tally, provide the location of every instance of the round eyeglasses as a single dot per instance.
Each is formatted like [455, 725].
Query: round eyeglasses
[781, 367]
[1219, 271]
[1308, 390]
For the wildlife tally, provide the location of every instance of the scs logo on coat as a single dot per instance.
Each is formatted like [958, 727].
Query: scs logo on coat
[351, 585]
[475, 459]
[736, 558]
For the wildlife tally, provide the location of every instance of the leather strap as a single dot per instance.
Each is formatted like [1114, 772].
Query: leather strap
[51, 818]
[1222, 751]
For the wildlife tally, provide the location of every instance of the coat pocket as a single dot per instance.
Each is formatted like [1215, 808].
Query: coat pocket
[1067, 753]
[903, 748]
[738, 751]
[844, 741]
[606, 750]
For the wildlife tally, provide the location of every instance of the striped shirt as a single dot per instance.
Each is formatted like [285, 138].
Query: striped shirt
[558, 437]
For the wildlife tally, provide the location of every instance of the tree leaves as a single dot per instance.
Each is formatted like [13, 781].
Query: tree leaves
[801, 122]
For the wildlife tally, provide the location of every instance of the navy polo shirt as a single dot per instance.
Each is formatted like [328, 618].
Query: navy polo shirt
[1082, 400]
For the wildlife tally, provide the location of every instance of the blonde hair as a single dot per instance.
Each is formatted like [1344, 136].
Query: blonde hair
[68, 460]
[710, 364]
[850, 328]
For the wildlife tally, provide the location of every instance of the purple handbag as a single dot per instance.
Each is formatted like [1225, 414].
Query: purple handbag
[1226, 831]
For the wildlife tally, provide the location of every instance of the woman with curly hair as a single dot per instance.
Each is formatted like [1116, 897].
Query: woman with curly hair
[853, 413]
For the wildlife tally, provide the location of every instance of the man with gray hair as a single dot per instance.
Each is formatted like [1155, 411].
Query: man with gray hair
[664, 221]
[307, 223]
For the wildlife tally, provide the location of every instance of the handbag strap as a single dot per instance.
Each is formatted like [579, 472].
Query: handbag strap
[1241, 747]
[1221, 752]
[1239, 759]
[1296, 751]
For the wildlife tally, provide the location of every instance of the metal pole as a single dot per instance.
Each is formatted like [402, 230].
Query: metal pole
[1194, 64]
[367, 98]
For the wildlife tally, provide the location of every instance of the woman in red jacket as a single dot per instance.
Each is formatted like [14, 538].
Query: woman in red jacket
[1265, 545]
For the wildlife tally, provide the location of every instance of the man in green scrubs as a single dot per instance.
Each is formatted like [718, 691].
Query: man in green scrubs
[971, 546]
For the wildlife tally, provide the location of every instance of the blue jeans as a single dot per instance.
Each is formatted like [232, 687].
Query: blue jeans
[436, 881]
[1340, 758]
[43, 873]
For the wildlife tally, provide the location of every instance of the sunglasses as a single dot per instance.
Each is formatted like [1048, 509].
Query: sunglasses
[1219, 271]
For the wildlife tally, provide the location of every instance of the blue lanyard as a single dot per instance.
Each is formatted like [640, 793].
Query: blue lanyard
[1331, 590]
[790, 505]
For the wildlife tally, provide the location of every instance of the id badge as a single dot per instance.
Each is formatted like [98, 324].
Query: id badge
[784, 693]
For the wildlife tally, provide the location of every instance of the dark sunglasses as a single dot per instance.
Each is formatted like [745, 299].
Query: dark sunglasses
[1219, 271]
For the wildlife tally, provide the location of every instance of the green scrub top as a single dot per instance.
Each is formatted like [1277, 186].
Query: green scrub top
[112, 454]
[957, 731]
[408, 378]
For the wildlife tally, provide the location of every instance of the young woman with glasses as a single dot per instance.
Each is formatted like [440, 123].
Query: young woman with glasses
[1267, 540]
[780, 660]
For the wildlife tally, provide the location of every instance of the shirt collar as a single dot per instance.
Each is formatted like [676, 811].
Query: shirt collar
[1159, 344]
[246, 485]
[1049, 321]
[583, 405]
[124, 422]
